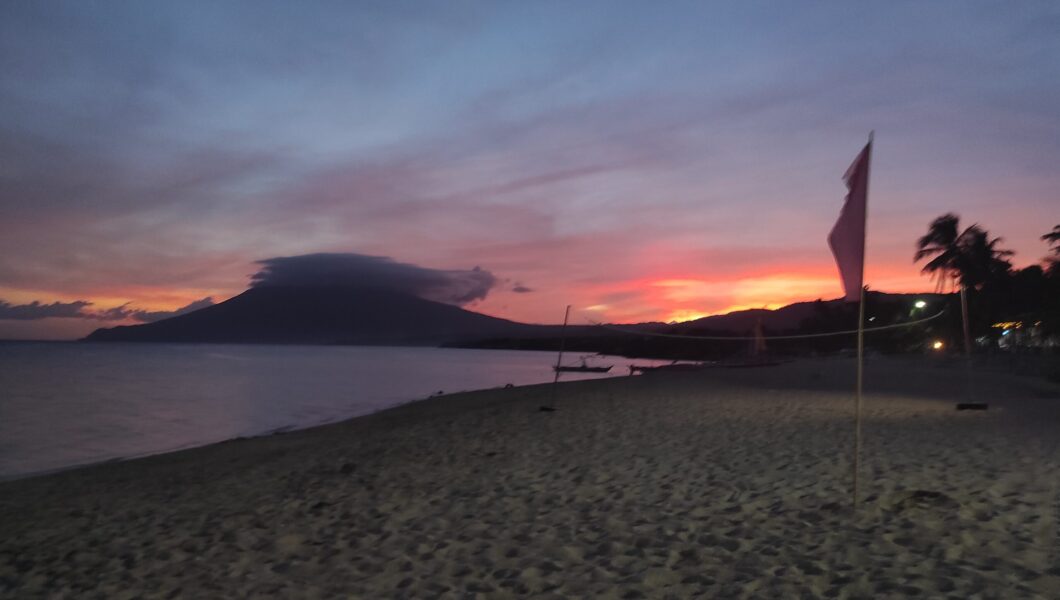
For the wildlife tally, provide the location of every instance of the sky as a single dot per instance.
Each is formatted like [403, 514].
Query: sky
[639, 161]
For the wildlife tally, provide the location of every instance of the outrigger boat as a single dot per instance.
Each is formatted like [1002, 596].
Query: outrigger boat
[582, 368]
[675, 366]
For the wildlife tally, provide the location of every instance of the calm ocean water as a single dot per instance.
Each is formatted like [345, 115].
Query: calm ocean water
[63, 405]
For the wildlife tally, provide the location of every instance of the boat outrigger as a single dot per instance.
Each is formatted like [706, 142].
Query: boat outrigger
[674, 366]
[559, 367]
[582, 368]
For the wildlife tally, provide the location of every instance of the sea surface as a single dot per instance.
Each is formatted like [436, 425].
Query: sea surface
[69, 404]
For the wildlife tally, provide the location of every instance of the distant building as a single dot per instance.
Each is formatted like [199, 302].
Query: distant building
[1022, 334]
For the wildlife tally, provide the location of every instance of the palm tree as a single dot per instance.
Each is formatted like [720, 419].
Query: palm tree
[1053, 262]
[981, 260]
[943, 242]
[1053, 237]
[967, 257]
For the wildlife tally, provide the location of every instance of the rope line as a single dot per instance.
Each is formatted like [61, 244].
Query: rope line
[774, 337]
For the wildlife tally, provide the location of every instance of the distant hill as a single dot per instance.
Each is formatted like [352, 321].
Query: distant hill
[323, 315]
[820, 316]
[787, 317]
[793, 316]
[348, 315]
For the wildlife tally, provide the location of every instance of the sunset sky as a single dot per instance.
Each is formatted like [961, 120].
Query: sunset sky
[641, 161]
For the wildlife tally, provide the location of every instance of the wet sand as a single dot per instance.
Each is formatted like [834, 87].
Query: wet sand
[729, 483]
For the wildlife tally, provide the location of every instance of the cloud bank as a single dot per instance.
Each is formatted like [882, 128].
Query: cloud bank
[146, 316]
[35, 310]
[455, 286]
[78, 309]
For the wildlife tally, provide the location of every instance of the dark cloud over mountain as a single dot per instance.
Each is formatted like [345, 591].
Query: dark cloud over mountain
[451, 286]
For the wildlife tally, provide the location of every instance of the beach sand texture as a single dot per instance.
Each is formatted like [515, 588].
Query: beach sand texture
[728, 483]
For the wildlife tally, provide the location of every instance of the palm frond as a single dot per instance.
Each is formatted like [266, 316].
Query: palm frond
[1053, 237]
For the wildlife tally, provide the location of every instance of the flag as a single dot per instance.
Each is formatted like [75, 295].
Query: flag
[847, 238]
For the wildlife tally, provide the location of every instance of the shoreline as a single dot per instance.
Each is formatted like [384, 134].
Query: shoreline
[120, 403]
[282, 430]
[289, 430]
[723, 482]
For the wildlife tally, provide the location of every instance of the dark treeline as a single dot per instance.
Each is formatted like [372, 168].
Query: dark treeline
[973, 261]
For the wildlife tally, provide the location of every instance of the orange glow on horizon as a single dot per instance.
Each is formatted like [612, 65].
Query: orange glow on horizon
[684, 314]
[679, 297]
[676, 295]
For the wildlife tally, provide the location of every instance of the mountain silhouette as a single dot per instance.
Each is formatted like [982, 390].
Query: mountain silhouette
[787, 317]
[322, 315]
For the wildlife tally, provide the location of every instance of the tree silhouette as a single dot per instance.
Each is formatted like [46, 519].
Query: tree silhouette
[968, 257]
[980, 260]
[942, 242]
[1053, 237]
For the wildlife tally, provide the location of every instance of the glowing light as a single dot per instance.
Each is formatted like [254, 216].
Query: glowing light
[937, 345]
[920, 304]
[682, 315]
[738, 307]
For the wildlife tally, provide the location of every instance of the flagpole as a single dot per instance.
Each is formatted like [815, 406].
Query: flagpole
[857, 403]
[861, 334]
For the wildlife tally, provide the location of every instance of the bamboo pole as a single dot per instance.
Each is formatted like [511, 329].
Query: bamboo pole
[559, 362]
[861, 333]
[857, 394]
[964, 323]
[968, 388]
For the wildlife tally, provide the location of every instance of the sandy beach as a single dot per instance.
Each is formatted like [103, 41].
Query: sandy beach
[728, 483]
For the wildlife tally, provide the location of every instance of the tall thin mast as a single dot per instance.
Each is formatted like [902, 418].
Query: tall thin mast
[559, 361]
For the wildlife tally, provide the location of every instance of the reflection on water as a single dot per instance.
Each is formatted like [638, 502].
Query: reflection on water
[69, 404]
